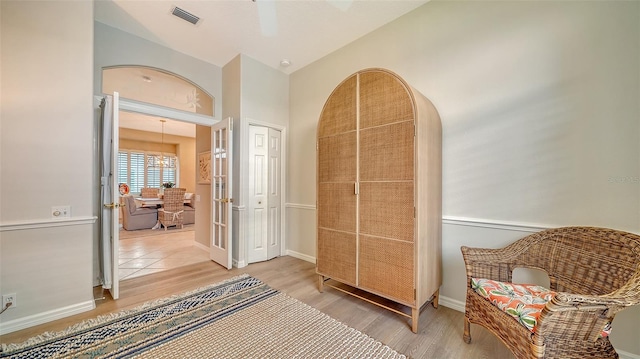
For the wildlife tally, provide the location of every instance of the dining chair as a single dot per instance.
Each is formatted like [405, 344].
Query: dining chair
[172, 211]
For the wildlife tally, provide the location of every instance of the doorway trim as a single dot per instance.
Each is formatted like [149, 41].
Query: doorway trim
[161, 111]
[129, 105]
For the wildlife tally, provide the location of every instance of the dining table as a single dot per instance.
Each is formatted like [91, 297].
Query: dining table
[154, 201]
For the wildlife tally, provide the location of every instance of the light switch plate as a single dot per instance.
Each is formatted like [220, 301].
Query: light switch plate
[61, 212]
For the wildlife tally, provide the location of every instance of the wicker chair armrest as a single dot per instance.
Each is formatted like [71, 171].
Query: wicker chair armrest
[495, 264]
[567, 300]
[573, 316]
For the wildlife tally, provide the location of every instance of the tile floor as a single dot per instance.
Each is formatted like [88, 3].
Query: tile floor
[151, 253]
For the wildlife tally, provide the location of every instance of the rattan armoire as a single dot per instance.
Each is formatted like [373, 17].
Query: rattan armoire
[379, 191]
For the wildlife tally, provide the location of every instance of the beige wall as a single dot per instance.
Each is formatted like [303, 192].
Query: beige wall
[49, 70]
[539, 105]
[203, 191]
[46, 155]
[183, 147]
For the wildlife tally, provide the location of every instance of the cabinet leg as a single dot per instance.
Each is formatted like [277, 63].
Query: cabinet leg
[436, 295]
[415, 315]
[320, 283]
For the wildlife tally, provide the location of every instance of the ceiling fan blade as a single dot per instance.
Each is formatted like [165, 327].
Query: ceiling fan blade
[268, 17]
[343, 5]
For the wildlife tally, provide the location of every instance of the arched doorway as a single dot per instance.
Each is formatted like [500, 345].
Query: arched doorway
[154, 97]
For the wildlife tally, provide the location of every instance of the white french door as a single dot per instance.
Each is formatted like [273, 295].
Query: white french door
[110, 198]
[221, 160]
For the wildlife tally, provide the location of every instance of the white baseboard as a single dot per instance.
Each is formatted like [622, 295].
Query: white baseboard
[451, 303]
[302, 256]
[201, 246]
[238, 264]
[45, 317]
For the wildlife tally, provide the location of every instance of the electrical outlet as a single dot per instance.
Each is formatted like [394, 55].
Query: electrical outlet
[60, 211]
[9, 298]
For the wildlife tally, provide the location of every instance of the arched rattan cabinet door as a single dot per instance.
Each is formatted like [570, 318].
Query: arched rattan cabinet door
[337, 171]
[386, 200]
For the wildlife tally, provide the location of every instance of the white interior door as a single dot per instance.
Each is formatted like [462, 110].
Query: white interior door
[274, 200]
[110, 198]
[263, 205]
[221, 160]
[257, 214]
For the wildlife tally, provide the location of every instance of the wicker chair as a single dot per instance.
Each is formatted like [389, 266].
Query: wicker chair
[172, 211]
[147, 192]
[595, 272]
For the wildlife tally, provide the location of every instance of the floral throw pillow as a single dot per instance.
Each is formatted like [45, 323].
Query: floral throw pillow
[524, 302]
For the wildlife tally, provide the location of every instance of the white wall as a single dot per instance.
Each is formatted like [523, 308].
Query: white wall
[265, 92]
[254, 94]
[539, 105]
[46, 142]
[231, 107]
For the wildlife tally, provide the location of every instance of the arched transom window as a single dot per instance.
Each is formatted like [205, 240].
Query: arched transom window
[158, 87]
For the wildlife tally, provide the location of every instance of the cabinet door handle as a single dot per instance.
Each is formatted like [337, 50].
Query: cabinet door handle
[356, 188]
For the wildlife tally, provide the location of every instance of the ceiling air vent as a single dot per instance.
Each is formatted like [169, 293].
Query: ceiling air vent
[184, 15]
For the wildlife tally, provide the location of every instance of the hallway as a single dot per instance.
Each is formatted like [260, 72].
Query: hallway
[151, 251]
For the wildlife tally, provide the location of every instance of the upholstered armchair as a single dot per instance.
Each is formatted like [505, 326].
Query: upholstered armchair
[189, 209]
[594, 273]
[172, 211]
[135, 217]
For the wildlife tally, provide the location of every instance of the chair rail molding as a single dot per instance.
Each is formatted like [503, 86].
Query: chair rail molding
[508, 225]
[496, 224]
[46, 223]
[311, 207]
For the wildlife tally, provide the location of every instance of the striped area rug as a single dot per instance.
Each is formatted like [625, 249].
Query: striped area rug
[239, 318]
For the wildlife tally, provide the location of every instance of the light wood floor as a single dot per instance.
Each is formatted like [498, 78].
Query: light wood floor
[440, 330]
